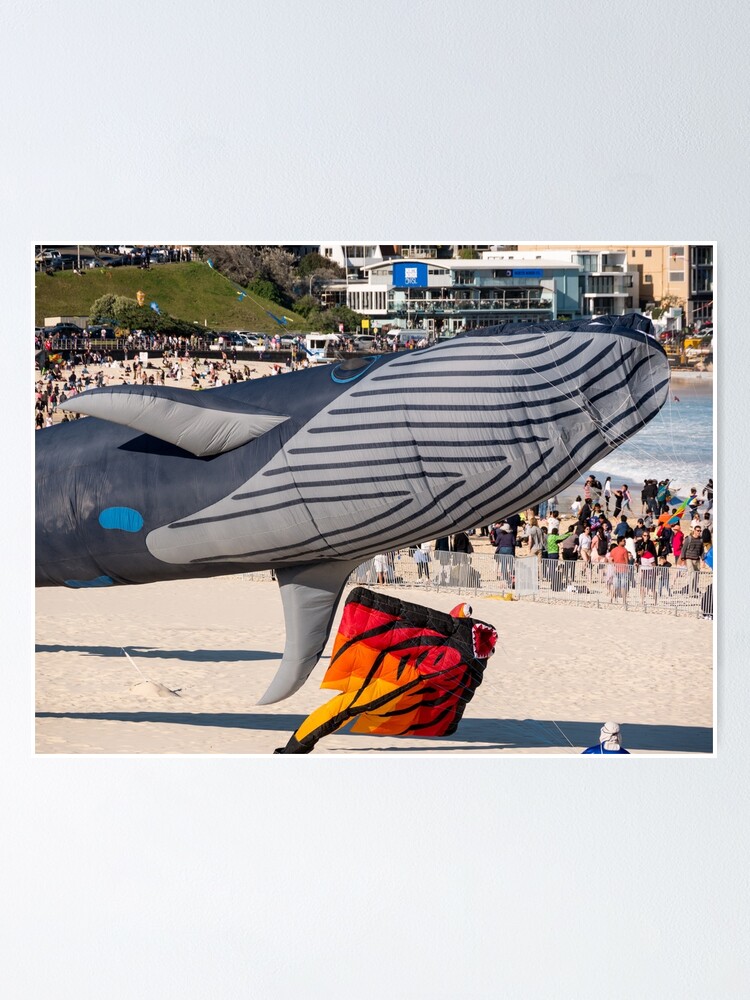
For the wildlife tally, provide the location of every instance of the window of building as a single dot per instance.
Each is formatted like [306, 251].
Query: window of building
[703, 279]
[676, 275]
[632, 253]
[464, 277]
[677, 251]
[648, 279]
[328, 251]
[648, 253]
[588, 261]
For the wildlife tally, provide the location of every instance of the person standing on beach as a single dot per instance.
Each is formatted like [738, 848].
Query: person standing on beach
[678, 537]
[584, 545]
[609, 740]
[422, 560]
[692, 549]
[664, 533]
[584, 515]
[607, 492]
[461, 543]
[645, 547]
[663, 496]
[553, 543]
[618, 503]
[380, 565]
[535, 538]
[506, 542]
[619, 557]
[623, 529]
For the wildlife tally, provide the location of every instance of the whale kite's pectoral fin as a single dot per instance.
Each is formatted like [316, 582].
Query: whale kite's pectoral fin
[310, 595]
[201, 423]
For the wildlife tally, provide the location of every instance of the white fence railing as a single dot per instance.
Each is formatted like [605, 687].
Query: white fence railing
[678, 590]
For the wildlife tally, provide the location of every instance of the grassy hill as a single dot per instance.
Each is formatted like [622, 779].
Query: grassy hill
[192, 292]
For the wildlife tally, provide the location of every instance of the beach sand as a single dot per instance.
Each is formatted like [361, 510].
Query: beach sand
[204, 651]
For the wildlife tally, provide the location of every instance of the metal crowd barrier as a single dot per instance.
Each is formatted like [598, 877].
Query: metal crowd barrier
[678, 590]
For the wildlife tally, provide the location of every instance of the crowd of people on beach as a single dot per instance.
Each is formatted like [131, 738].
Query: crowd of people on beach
[589, 543]
[61, 378]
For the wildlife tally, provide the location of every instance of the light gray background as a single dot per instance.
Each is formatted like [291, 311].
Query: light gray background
[432, 877]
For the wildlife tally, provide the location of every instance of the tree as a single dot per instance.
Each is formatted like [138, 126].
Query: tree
[277, 265]
[330, 319]
[468, 253]
[306, 305]
[103, 309]
[315, 264]
[668, 302]
[266, 290]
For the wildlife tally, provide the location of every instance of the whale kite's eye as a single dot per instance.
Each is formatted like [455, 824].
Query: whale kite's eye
[352, 369]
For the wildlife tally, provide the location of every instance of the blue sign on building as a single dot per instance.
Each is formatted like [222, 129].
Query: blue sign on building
[524, 272]
[409, 275]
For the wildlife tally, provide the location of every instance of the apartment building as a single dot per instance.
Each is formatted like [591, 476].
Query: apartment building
[678, 274]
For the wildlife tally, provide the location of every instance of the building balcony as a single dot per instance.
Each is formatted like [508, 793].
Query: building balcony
[440, 307]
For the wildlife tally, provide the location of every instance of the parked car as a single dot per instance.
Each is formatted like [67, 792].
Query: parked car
[66, 330]
[364, 343]
[47, 255]
[228, 339]
[51, 264]
[102, 331]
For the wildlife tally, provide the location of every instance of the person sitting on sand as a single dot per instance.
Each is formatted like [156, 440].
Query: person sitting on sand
[609, 740]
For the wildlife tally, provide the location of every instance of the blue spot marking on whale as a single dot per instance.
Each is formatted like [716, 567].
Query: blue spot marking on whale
[100, 581]
[121, 518]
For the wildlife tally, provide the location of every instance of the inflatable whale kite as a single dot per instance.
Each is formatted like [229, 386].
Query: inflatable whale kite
[310, 473]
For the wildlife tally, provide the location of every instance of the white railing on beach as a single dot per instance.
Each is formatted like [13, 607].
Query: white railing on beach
[677, 590]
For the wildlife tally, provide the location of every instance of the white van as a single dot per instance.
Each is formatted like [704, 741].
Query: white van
[319, 347]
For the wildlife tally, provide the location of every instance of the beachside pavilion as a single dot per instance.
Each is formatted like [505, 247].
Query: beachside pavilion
[446, 296]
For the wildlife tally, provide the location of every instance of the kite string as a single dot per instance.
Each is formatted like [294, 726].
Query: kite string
[132, 661]
[495, 688]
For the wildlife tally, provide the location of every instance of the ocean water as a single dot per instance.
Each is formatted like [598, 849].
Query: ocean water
[677, 444]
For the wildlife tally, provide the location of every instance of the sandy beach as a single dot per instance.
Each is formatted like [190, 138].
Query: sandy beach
[203, 652]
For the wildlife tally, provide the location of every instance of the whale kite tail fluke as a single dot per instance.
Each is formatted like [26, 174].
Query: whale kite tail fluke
[310, 595]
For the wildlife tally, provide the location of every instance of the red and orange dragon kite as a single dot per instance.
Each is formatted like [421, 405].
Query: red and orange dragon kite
[403, 670]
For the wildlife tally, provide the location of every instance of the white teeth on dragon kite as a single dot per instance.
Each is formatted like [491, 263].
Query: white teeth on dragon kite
[311, 473]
